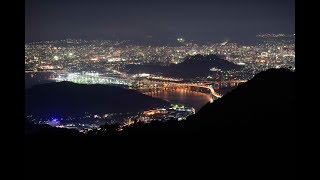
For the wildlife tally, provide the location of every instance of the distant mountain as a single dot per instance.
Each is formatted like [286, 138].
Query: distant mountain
[191, 67]
[205, 61]
[67, 98]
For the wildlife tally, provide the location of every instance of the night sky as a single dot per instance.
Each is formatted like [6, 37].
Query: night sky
[199, 20]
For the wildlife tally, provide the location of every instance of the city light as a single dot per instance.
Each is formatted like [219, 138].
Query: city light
[181, 40]
[107, 64]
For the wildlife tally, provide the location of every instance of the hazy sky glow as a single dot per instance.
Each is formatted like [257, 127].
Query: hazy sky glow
[200, 20]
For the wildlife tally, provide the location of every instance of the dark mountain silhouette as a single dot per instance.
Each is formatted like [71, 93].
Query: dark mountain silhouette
[66, 98]
[266, 102]
[249, 132]
[186, 69]
[252, 128]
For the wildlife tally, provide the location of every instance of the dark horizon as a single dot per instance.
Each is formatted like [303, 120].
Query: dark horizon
[197, 20]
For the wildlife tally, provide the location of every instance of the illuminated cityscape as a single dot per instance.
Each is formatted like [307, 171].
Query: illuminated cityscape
[125, 88]
[272, 51]
[105, 61]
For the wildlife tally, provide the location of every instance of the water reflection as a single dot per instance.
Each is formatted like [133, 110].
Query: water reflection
[182, 96]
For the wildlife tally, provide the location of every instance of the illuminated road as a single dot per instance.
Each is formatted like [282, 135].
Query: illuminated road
[212, 91]
[165, 85]
[202, 86]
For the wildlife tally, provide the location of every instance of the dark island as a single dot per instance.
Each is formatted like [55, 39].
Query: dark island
[71, 99]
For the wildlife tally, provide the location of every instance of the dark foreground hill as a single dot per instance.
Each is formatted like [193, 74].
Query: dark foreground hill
[249, 133]
[263, 104]
[67, 98]
[186, 69]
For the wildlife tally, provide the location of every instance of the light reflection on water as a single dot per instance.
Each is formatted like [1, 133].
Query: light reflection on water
[182, 96]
